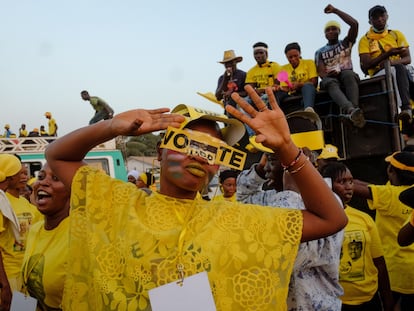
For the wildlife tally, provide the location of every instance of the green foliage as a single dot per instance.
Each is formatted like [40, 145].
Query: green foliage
[144, 145]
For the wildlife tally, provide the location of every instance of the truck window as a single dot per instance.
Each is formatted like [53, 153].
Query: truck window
[100, 164]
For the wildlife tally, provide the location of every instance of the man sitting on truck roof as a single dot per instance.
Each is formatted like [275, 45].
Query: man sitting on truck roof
[334, 65]
[380, 44]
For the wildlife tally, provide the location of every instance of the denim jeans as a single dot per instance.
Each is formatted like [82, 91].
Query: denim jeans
[308, 94]
[349, 81]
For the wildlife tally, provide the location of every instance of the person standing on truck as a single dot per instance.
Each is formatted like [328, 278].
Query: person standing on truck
[52, 126]
[380, 44]
[391, 215]
[102, 110]
[334, 65]
[140, 242]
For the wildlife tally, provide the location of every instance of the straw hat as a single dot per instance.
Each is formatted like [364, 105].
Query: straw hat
[230, 56]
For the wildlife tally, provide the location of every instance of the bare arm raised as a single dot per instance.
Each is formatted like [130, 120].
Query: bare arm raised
[352, 22]
[324, 215]
[65, 155]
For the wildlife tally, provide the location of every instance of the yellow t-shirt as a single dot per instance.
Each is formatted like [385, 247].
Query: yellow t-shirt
[27, 215]
[305, 71]
[124, 242]
[375, 48]
[45, 263]
[52, 127]
[391, 214]
[264, 75]
[358, 274]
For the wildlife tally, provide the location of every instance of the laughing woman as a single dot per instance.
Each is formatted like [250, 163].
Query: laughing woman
[44, 264]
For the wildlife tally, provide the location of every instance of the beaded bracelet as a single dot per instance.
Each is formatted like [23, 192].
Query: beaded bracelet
[412, 219]
[300, 167]
[287, 167]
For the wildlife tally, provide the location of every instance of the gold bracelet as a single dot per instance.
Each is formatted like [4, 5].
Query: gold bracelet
[300, 167]
[412, 219]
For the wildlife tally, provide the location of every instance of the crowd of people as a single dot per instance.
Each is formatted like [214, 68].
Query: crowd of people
[331, 70]
[102, 112]
[281, 235]
[35, 132]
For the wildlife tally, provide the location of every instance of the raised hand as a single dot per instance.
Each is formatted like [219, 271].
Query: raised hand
[329, 9]
[270, 125]
[142, 121]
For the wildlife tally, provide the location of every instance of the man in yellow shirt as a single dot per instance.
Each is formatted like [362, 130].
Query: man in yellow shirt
[52, 126]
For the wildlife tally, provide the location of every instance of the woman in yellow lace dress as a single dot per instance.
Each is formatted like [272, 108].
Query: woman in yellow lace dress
[126, 244]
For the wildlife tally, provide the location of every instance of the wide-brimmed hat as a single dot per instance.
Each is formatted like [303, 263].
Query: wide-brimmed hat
[230, 56]
[48, 114]
[232, 132]
[407, 197]
[10, 165]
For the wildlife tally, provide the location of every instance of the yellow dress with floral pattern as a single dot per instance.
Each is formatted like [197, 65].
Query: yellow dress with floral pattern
[124, 242]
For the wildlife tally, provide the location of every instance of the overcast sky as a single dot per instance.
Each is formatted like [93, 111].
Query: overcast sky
[147, 54]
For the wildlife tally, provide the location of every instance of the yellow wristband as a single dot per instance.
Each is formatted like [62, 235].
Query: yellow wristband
[412, 219]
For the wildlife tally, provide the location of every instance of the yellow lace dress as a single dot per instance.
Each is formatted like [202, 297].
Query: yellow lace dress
[124, 243]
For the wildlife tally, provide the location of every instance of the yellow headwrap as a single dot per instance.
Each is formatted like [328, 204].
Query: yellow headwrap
[9, 165]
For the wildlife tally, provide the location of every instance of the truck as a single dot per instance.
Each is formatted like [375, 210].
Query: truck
[363, 150]
[31, 151]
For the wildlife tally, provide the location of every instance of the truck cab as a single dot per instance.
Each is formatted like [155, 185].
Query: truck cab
[31, 151]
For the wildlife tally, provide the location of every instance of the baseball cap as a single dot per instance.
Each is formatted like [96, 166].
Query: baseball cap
[329, 152]
[375, 9]
[232, 131]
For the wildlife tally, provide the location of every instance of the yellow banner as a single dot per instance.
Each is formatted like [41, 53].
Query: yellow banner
[213, 150]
